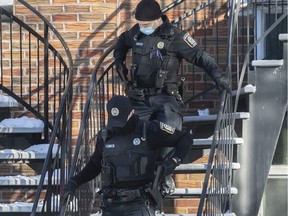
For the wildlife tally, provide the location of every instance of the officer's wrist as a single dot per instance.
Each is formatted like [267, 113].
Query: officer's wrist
[177, 160]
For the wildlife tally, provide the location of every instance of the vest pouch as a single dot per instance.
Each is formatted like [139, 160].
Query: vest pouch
[160, 77]
[145, 71]
[108, 174]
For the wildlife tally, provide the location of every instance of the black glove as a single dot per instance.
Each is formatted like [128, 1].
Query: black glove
[121, 69]
[222, 83]
[167, 185]
[169, 165]
[69, 189]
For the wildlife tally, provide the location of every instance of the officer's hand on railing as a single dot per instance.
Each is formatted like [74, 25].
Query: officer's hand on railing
[121, 69]
[69, 190]
[169, 165]
[223, 83]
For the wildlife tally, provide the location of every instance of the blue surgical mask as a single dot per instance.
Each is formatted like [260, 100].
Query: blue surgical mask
[147, 31]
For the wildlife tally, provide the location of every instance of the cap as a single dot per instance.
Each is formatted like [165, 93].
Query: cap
[148, 10]
[118, 108]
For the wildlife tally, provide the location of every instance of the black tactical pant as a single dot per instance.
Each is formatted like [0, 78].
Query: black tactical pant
[138, 207]
[164, 108]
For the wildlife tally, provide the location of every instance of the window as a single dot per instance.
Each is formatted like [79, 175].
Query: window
[270, 47]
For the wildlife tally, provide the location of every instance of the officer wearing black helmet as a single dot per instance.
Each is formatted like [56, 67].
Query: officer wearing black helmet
[125, 156]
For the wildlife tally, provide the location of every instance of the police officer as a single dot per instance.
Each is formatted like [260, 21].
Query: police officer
[157, 50]
[126, 157]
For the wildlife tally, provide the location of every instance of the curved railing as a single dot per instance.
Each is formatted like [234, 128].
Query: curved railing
[217, 188]
[39, 77]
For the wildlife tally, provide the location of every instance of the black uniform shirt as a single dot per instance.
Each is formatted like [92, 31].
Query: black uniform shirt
[158, 135]
[183, 46]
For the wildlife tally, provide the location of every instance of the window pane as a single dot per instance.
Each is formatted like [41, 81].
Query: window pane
[274, 47]
[275, 199]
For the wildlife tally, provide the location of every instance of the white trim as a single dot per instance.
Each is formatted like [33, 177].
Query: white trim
[259, 24]
[278, 172]
[6, 2]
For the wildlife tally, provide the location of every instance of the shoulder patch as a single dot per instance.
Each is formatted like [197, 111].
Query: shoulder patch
[189, 40]
[167, 128]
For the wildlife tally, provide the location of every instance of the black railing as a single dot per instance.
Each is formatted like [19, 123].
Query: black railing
[218, 182]
[35, 74]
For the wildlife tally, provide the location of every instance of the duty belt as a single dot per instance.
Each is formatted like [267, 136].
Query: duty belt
[123, 194]
[139, 94]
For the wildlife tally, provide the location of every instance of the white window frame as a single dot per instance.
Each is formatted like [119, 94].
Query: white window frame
[276, 172]
[260, 50]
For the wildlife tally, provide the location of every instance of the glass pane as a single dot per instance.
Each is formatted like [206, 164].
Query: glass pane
[274, 47]
[280, 156]
[275, 199]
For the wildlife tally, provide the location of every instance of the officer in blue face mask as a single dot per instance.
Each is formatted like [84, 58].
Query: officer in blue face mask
[157, 51]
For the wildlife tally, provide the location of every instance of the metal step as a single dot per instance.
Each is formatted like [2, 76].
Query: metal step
[246, 90]
[267, 63]
[198, 168]
[208, 141]
[196, 192]
[38, 151]
[21, 125]
[19, 207]
[238, 115]
[26, 180]
[163, 214]
[24, 207]
[7, 101]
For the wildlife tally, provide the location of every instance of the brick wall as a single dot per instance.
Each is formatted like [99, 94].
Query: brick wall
[90, 26]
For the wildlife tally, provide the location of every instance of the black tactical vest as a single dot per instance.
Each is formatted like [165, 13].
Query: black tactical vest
[127, 159]
[151, 54]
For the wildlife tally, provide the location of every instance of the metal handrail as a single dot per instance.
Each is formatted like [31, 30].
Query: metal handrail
[61, 122]
[216, 206]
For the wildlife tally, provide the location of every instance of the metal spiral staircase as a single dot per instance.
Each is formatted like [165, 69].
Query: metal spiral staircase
[234, 141]
[35, 113]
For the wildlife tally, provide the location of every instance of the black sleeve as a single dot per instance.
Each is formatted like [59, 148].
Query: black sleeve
[93, 168]
[163, 135]
[186, 47]
[122, 46]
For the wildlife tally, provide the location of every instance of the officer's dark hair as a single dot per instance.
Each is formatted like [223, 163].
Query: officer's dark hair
[148, 10]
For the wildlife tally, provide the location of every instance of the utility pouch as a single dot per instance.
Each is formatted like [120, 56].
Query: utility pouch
[133, 71]
[160, 77]
[108, 174]
[156, 196]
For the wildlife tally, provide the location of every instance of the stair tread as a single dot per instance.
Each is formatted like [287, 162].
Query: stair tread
[283, 37]
[197, 167]
[208, 141]
[195, 191]
[213, 117]
[19, 207]
[21, 125]
[248, 89]
[23, 180]
[267, 63]
[163, 214]
[7, 101]
[38, 151]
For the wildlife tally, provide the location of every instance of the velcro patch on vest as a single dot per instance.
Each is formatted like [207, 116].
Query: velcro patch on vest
[167, 128]
[110, 146]
[189, 40]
